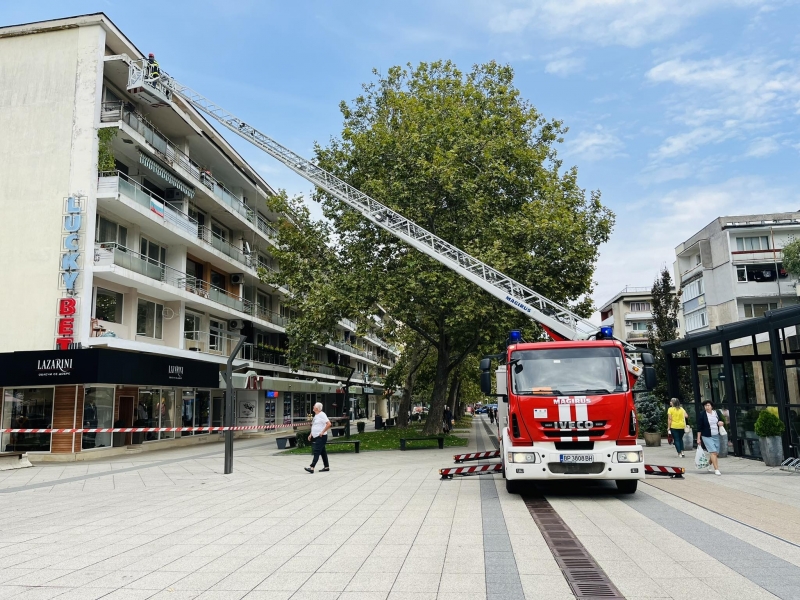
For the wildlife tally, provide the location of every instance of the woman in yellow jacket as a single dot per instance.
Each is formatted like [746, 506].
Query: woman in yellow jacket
[676, 423]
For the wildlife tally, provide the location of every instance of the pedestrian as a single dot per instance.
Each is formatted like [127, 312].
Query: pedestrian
[708, 429]
[676, 423]
[494, 410]
[318, 437]
[490, 412]
[447, 419]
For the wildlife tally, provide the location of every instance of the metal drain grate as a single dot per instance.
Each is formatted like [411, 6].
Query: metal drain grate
[584, 576]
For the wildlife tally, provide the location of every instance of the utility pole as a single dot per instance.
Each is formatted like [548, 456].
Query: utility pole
[229, 404]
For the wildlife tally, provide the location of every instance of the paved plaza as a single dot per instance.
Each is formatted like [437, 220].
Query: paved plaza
[381, 526]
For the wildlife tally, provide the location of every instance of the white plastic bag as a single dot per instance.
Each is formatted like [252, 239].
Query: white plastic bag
[722, 430]
[700, 459]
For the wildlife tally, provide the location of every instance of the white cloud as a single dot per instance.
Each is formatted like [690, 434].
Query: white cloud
[630, 23]
[595, 144]
[762, 147]
[562, 63]
[645, 239]
[725, 97]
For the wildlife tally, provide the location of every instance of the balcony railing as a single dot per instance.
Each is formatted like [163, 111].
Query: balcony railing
[267, 315]
[160, 209]
[116, 111]
[254, 353]
[636, 335]
[106, 253]
[211, 342]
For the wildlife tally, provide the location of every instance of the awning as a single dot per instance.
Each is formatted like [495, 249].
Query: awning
[162, 172]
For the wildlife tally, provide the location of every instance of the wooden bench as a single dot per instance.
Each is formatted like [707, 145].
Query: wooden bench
[356, 443]
[337, 431]
[439, 438]
[282, 442]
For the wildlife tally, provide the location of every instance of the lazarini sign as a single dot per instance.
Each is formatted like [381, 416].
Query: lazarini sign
[70, 269]
[54, 367]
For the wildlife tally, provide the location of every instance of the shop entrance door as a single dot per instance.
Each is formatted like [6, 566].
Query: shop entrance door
[125, 420]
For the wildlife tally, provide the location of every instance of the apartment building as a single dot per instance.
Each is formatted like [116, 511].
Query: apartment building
[732, 270]
[630, 312]
[134, 239]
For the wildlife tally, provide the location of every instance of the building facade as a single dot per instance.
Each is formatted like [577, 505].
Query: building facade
[629, 313]
[732, 270]
[132, 226]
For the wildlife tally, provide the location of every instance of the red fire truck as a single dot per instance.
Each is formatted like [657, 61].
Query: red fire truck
[567, 410]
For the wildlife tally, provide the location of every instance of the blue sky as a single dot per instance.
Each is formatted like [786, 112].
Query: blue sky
[679, 111]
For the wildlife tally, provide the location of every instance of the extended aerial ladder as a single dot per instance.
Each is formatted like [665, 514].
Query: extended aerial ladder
[559, 322]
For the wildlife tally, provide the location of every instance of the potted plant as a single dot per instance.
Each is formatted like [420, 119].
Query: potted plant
[769, 429]
[650, 412]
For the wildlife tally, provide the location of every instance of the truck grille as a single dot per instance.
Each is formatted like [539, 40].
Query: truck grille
[590, 433]
[576, 468]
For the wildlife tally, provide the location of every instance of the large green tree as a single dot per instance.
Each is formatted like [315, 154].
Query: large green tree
[466, 157]
[666, 305]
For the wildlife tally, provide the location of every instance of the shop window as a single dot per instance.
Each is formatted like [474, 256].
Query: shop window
[156, 408]
[149, 319]
[108, 232]
[27, 408]
[108, 306]
[98, 413]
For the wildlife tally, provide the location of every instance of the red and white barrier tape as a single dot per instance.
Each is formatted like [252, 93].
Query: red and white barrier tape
[473, 470]
[476, 456]
[145, 429]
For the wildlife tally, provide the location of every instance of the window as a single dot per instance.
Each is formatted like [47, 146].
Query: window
[98, 412]
[27, 408]
[195, 214]
[216, 338]
[155, 253]
[191, 326]
[697, 259]
[641, 325]
[219, 231]
[748, 244]
[156, 409]
[758, 310]
[108, 306]
[149, 319]
[108, 232]
[693, 290]
[640, 307]
[218, 280]
[741, 273]
[696, 320]
[264, 301]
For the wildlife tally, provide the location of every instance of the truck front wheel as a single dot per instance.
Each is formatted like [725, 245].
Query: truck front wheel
[513, 487]
[627, 486]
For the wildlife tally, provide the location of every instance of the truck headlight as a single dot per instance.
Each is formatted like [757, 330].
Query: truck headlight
[629, 457]
[523, 457]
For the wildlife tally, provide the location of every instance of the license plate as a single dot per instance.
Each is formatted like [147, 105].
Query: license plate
[577, 458]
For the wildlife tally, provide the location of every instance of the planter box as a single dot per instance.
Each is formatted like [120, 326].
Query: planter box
[652, 440]
[771, 450]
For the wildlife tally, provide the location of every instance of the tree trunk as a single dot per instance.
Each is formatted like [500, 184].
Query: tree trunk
[418, 355]
[434, 423]
[452, 394]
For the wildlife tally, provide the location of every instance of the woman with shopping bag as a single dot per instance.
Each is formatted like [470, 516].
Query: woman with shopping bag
[708, 429]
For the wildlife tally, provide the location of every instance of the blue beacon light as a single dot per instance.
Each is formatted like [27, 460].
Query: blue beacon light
[515, 336]
[607, 331]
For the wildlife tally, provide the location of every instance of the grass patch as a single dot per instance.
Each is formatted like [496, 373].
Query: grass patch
[383, 440]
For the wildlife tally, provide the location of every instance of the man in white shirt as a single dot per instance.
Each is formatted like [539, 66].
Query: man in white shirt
[319, 437]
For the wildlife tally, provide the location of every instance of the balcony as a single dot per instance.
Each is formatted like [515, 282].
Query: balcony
[636, 336]
[115, 182]
[112, 112]
[757, 256]
[110, 253]
[255, 353]
[219, 343]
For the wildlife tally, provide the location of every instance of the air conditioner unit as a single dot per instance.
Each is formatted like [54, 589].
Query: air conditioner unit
[237, 278]
[173, 194]
[235, 324]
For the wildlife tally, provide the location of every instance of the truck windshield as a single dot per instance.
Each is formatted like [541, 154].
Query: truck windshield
[568, 371]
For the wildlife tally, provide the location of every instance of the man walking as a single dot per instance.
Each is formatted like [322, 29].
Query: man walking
[320, 425]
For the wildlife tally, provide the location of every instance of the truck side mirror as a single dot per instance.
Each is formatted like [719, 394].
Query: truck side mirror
[486, 364]
[647, 358]
[650, 378]
[486, 383]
